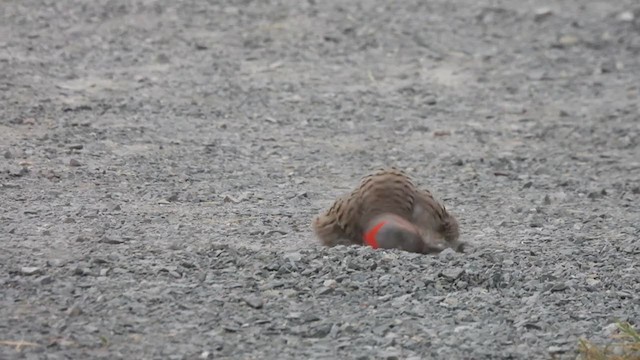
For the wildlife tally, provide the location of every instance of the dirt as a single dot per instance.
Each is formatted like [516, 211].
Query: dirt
[157, 159]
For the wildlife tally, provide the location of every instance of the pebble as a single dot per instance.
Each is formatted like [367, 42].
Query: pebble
[81, 271]
[559, 286]
[330, 283]
[610, 330]
[30, 270]
[293, 256]
[450, 302]
[46, 280]
[19, 172]
[324, 290]
[254, 302]
[542, 13]
[558, 349]
[568, 40]
[626, 16]
[74, 310]
[320, 331]
[448, 254]
[107, 240]
[592, 281]
[452, 273]
[74, 163]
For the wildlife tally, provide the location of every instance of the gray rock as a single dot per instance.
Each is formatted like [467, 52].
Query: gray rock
[30, 270]
[452, 274]
[253, 301]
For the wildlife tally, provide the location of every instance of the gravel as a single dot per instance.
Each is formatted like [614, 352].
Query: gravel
[162, 164]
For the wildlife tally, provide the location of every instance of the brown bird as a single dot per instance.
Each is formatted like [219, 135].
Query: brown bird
[388, 211]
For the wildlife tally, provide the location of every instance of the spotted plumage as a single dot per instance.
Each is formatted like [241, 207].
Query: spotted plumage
[387, 191]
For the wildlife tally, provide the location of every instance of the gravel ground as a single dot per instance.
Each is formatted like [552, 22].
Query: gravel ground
[160, 164]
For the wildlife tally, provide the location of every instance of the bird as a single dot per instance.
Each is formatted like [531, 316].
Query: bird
[387, 210]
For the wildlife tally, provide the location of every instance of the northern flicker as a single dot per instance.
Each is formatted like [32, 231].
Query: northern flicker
[387, 210]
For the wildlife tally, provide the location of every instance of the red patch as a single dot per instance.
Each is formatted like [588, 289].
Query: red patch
[370, 237]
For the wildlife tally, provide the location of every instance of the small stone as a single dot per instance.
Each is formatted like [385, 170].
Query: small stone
[104, 272]
[19, 173]
[82, 271]
[592, 281]
[117, 208]
[173, 197]
[537, 75]
[626, 16]
[450, 302]
[547, 200]
[389, 257]
[8, 155]
[74, 163]
[69, 220]
[293, 256]
[594, 195]
[399, 301]
[320, 331]
[91, 329]
[567, 40]
[81, 238]
[542, 13]
[293, 315]
[610, 330]
[441, 133]
[531, 300]
[188, 265]
[76, 146]
[30, 270]
[55, 263]
[330, 283]
[557, 349]
[535, 224]
[46, 280]
[391, 353]
[324, 290]
[230, 199]
[75, 310]
[107, 240]
[46, 232]
[489, 230]
[254, 302]
[624, 295]
[464, 316]
[452, 274]
[448, 254]
[561, 286]
[230, 328]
